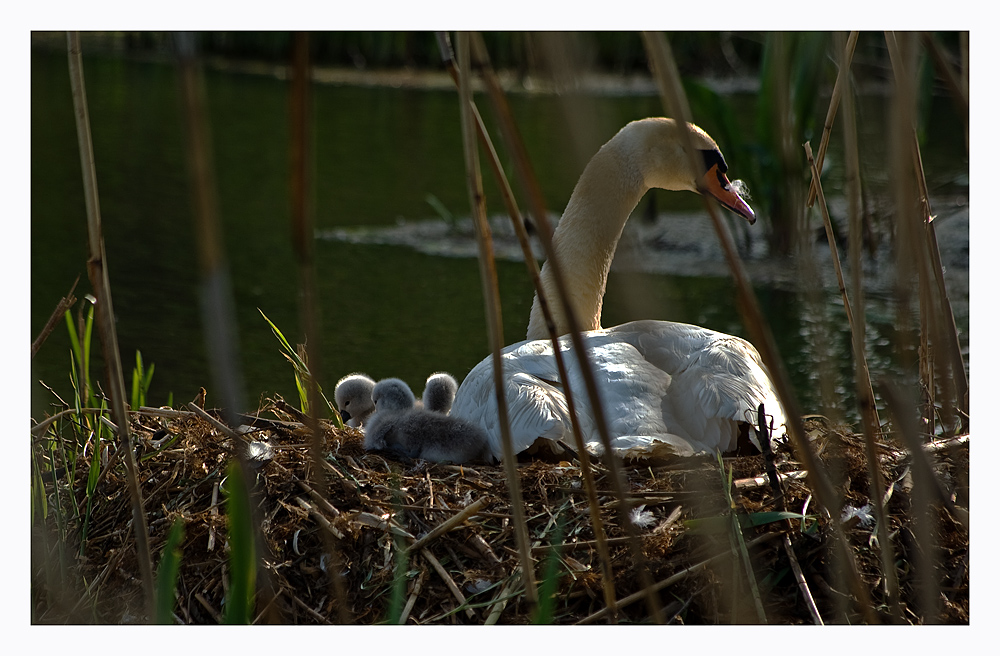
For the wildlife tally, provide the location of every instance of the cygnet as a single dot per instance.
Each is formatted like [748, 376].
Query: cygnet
[353, 396]
[439, 392]
[399, 427]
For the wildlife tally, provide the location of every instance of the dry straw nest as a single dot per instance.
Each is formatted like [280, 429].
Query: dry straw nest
[338, 555]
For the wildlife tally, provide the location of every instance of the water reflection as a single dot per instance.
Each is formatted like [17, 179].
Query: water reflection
[378, 152]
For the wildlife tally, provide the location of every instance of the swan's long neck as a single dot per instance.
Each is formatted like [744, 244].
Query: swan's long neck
[587, 236]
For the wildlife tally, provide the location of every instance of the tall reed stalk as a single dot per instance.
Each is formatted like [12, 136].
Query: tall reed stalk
[674, 99]
[494, 323]
[304, 246]
[529, 181]
[100, 282]
[218, 312]
[871, 425]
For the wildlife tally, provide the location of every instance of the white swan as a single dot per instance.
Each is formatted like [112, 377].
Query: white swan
[401, 428]
[439, 392]
[353, 396]
[666, 388]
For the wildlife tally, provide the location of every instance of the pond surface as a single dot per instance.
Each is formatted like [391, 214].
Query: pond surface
[388, 310]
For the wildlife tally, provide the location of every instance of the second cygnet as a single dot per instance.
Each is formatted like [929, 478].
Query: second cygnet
[399, 427]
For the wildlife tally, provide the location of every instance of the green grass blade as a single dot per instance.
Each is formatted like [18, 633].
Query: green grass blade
[545, 611]
[136, 375]
[166, 573]
[74, 339]
[292, 355]
[147, 380]
[85, 368]
[39, 500]
[399, 577]
[242, 561]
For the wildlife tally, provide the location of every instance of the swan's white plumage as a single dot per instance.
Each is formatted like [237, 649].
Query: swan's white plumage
[666, 388]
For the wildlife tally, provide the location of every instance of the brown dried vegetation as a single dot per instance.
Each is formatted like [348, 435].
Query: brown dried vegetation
[376, 506]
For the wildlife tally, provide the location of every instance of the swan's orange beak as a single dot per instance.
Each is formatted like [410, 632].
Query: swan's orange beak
[716, 184]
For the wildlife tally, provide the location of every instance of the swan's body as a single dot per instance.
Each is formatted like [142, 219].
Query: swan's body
[401, 428]
[666, 388]
[353, 396]
[439, 392]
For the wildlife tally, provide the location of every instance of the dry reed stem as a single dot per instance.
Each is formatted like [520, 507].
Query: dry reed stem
[101, 284]
[492, 301]
[936, 309]
[672, 93]
[940, 314]
[64, 304]
[864, 384]
[958, 85]
[443, 573]
[600, 420]
[529, 181]
[447, 525]
[417, 586]
[871, 426]
[801, 580]
[831, 113]
[217, 307]
[924, 484]
[304, 247]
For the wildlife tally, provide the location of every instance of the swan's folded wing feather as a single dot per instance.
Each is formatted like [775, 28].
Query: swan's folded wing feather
[535, 408]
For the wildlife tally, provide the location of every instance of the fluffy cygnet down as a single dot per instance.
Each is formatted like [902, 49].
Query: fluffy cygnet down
[353, 396]
[439, 392]
[400, 428]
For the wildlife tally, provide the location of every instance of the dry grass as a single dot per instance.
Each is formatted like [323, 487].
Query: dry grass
[376, 506]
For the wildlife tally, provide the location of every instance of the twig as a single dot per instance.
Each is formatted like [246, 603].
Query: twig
[801, 580]
[40, 427]
[760, 481]
[207, 606]
[842, 74]
[226, 430]
[301, 604]
[320, 519]
[449, 524]
[443, 573]
[498, 607]
[64, 304]
[215, 513]
[417, 586]
[583, 544]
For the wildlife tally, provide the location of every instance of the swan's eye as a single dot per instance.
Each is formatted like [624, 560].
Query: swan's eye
[712, 158]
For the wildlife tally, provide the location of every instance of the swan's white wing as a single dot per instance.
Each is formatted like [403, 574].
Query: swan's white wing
[666, 389]
[536, 408]
[716, 380]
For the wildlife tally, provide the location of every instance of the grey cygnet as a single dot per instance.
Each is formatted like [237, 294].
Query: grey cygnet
[353, 396]
[400, 428]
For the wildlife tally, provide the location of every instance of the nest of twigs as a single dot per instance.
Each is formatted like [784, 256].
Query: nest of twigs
[346, 553]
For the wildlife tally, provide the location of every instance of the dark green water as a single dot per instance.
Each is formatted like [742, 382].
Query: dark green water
[377, 153]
